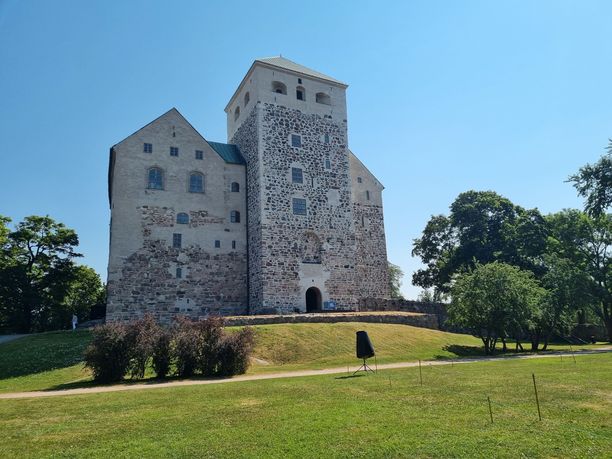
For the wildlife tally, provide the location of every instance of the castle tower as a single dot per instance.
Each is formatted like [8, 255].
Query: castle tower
[290, 125]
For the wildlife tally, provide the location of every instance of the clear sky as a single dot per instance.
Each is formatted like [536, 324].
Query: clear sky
[443, 97]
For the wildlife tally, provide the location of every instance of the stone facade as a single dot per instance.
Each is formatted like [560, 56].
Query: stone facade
[309, 232]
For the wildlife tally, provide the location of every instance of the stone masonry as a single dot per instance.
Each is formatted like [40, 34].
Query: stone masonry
[283, 218]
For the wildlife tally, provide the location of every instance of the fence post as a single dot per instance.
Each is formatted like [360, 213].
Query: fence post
[535, 388]
[490, 410]
[420, 373]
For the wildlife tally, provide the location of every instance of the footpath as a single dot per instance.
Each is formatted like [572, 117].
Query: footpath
[287, 374]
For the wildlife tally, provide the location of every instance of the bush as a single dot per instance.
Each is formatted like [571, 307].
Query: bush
[186, 347]
[108, 354]
[142, 336]
[161, 353]
[235, 352]
[210, 338]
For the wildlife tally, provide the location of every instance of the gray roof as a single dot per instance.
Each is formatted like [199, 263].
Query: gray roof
[286, 64]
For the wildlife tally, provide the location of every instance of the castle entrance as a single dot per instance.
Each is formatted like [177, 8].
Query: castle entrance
[313, 299]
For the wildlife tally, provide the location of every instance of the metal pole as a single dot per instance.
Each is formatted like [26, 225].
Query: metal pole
[535, 388]
[420, 373]
[490, 410]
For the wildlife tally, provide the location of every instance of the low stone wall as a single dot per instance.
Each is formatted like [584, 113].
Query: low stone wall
[403, 318]
[393, 304]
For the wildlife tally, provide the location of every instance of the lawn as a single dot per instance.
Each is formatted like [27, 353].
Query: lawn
[385, 415]
[54, 360]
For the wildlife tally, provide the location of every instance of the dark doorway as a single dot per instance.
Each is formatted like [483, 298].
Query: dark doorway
[313, 299]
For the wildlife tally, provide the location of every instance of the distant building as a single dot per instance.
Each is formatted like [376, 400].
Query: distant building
[284, 217]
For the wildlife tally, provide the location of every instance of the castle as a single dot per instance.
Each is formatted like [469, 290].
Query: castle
[283, 218]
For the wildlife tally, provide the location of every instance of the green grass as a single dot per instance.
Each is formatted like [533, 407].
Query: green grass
[54, 360]
[384, 415]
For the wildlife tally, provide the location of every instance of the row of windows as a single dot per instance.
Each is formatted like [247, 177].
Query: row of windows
[182, 218]
[174, 151]
[281, 88]
[177, 240]
[296, 140]
[156, 179]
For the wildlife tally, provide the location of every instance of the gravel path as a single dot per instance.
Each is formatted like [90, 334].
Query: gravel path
[7, 338]
[288, 374]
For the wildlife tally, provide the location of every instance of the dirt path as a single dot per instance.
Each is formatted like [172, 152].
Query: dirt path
[288, 374]
[7, 338]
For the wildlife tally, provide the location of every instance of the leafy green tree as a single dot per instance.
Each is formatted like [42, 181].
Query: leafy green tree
[495, 301]
[482, 227]
[37, 272]
[395, 280]
[594, 183]
[586, 243]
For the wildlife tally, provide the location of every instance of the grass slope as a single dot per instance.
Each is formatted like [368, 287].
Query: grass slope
[384, 415]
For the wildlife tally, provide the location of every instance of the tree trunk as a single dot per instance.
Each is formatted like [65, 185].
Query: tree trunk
[505, 348]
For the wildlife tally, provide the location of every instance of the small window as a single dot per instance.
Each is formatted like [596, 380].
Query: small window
[236, 113]
[155, 179]
[217, 244]
[235, 187]
[359, 180]
[182, 218]
[299, 206]
[367, 195]
[299, 81]
[199, 154]
[322, 98]
[296, 140]
[279, 88]
[177, 240]
[235, 216]
[247, 98]
[327, 164]
[196, 183]
[233, 244]
[296, 175]
[326, 138]
[148, 148]
[179, 273]
[300, 93]
[173, 151]
[362, 221]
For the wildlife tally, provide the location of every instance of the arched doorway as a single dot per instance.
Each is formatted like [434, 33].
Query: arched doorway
[313, 299]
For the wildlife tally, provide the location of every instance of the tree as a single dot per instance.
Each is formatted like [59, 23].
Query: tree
[36, 273]
[586, 243]
[594, 183]
[395, 280]
[495, 301]
[482, 227]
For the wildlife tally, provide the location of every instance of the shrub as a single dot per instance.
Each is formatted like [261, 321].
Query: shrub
[142, 336]
[161, 353]
[186, 347]
[210, 337]
[235, 352]
[108, 354]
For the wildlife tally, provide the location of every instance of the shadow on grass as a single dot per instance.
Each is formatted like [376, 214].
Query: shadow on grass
[461, 351]
[350, 376]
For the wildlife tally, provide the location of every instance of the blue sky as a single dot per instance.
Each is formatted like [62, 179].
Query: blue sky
[443, 97]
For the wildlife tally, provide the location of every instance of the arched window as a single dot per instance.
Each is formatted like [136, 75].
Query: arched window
[182, 218]
[235, 216]
[279, 88]
[155, 179]
[323, 98]
[196, 182]
[236, 113]
[247, 98]
[300, 93]
[235, 187]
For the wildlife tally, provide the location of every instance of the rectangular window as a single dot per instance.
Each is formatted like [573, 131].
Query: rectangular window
[148, 148]
[177, 240]
[299, 206]
[173, 151]
[326, 138]
[299, 94]
[358, 179]
[233, 244]
[327, 164]
[367, 195]
[179, 273]
[299, 81]
[296, 140]
[296, 175]
[217, 244]
[199, 154]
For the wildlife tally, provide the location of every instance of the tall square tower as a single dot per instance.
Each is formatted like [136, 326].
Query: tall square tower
[290, 124]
